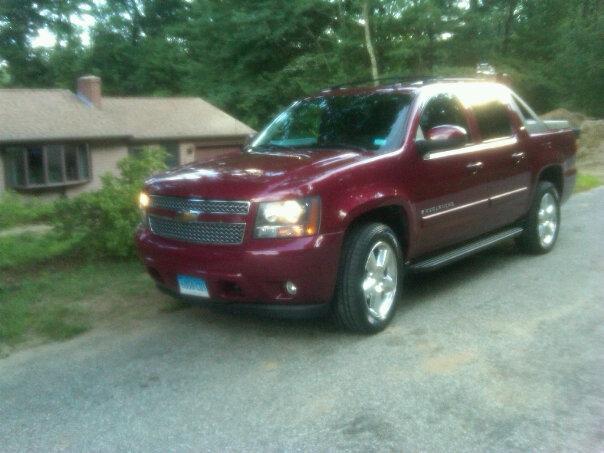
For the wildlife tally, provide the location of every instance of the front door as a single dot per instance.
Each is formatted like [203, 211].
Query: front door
[451, 190]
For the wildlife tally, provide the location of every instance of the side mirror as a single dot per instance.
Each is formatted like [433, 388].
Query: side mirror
[446, 136]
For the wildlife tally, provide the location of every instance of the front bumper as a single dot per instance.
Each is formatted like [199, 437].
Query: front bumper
[254, 272]
[282, 311]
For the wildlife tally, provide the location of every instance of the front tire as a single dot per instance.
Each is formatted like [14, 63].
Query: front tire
[543, 221]
[369, 279]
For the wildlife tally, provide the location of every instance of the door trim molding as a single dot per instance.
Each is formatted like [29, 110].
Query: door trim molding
[474, 203]
[456, 208]
[507, 194]
[484, 146]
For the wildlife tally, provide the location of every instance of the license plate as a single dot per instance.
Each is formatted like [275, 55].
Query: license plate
[192, 286]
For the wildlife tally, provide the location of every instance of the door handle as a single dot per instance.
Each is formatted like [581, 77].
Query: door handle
[474, 167]
[518, 157]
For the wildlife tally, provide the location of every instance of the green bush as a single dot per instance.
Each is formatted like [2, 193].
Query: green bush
[102, 223]
[17, 210]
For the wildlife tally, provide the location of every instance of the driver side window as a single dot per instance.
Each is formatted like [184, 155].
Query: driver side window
[442, 109]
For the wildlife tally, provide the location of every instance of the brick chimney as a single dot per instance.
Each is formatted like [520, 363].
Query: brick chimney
[89, 87]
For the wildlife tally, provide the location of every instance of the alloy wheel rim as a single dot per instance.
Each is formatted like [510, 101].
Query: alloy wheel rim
[547, 220]
[380, 279]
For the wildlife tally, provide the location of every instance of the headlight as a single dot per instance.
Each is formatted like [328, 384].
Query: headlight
[143, 200]
[289, 218]
[143, 203]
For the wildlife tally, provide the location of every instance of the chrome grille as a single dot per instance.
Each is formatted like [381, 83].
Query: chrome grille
[198, 232]
[204, 206]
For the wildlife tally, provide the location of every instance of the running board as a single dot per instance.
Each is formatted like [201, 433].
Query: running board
[468, 249]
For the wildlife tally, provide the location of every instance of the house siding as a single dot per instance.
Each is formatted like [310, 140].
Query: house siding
[186, 153]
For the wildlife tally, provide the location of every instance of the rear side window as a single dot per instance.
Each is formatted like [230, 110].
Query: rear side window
[532, 122]
[443, 109]
[493, 120]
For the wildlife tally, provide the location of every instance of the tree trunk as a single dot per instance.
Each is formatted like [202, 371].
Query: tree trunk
[507, 30]
[369, 42]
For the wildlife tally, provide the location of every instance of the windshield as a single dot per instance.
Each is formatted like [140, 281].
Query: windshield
[372, 121]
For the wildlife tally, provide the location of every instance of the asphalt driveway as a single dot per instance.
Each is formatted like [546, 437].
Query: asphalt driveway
[499, 352]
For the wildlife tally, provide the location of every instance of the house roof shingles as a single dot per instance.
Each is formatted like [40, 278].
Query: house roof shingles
[156, 117]
[46, 115]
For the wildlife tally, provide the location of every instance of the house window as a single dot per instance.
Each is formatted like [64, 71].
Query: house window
[35, 167]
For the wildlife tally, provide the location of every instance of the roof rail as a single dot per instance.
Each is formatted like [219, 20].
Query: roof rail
[396, 79]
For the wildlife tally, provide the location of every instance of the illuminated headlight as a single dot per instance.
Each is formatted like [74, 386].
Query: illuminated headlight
[143, 200]
[289, 218]
[143, 203]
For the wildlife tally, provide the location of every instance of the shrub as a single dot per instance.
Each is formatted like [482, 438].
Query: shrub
[101, 224]
[17, 210]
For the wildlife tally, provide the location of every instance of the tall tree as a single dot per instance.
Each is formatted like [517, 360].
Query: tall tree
[369, 40]
[251, 58]
[20, 22]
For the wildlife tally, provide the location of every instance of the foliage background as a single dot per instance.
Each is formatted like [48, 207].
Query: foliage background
[101, 224]
[253, 57]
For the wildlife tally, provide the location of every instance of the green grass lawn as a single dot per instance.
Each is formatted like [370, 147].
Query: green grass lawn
[20, 251]
[47, 293]
[587, 182]
[65, 299]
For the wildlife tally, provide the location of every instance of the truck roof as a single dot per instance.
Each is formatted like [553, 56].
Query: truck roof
[405, 84]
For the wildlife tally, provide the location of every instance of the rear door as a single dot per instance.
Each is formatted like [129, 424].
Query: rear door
[505, 158]
[450, 185]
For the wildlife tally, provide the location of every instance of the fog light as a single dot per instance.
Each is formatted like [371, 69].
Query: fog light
[291, 288]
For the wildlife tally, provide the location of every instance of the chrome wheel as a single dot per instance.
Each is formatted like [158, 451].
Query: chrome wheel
[547, 220]
[380, 279]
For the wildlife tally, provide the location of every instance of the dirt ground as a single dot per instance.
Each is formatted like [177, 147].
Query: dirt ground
[590, 158]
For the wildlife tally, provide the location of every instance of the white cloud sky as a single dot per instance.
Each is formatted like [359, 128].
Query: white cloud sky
[46, 38]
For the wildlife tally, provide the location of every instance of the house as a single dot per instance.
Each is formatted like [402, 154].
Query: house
[55, 141]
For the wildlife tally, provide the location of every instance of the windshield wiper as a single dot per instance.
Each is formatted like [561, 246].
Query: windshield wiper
[342, 145]
[269, 147]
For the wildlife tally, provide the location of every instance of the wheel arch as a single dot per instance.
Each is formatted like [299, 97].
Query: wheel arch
[553, 174]
[393, 214]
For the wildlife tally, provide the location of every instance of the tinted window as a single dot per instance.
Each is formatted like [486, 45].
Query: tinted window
[372, 121]
[440, 110]
[71, 163]
[493, 120]
[51, 165]
[532, 122]
[54, 158]
[84, 169]
[172, 158]
[15, 169]
[35, 162]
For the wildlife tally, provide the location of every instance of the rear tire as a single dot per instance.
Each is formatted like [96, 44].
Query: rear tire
[543, 221]
[369, 279]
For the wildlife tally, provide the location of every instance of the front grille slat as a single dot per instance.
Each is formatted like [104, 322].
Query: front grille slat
[198, 232]
[199, 205]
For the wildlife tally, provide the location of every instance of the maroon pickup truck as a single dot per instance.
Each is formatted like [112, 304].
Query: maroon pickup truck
[347, 190]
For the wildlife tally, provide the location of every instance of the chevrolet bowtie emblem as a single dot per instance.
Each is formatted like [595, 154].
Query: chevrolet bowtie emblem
[187, 216]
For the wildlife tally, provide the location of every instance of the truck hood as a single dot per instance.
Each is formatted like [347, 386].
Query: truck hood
[252, 176]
